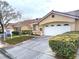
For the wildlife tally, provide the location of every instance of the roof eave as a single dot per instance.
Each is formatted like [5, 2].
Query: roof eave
[59, 13]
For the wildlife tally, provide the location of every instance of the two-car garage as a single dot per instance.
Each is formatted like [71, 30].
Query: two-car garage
[55, 23]
[55, 29]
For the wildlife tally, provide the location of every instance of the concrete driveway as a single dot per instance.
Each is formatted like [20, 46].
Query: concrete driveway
[37, 48]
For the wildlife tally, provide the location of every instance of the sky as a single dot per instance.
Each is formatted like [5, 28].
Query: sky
[39, 8]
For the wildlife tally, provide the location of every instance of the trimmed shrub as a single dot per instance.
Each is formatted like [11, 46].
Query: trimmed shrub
[15, 33]
[64, 45]
[27, 32]
[1, 32]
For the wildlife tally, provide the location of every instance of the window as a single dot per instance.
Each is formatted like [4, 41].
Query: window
[66, 24]
[58, 25]
[52, 25]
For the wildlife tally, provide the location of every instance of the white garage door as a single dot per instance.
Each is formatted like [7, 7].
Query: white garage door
[56, 29]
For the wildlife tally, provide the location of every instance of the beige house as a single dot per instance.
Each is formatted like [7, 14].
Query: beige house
[10, 26]
[31, 24]
[52, 24]
[55, 23]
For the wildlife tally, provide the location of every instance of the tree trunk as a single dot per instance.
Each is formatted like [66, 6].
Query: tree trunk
[3, 34]
[2, 26]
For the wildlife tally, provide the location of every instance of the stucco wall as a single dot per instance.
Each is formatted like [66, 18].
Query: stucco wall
[10, 27]
[37, 30]
[77, 25]
[25, 28]
[74, 25]
[57, 18]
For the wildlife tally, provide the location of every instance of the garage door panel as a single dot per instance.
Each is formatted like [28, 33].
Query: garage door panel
[55, 30]
[65, 29]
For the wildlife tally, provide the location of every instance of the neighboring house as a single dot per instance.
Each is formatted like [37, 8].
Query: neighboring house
[52, 24]
[35, 26]
[10, 26]
[31, 24]
[55, 23]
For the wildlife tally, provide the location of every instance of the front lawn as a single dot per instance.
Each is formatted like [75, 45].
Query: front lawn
[17, 39]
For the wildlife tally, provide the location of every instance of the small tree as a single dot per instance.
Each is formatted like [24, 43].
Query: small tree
[7, 13]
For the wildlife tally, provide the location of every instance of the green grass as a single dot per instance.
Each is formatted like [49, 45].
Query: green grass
[17, 39]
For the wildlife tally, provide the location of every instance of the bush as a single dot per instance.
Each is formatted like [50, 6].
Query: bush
[27, 32]
[15, 33]
[1, 32]
[64, 45]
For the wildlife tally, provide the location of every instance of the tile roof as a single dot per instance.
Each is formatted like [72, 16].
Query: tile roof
[74, 13]
[27, 22]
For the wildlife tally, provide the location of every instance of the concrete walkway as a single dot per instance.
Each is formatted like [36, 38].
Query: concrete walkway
[36, 48]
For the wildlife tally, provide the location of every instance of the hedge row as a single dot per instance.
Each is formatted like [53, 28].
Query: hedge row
[22, 32]
[27, 32]
[65, 45]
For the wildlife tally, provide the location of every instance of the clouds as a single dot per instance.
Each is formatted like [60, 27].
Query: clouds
[31, 8]
[38, 8]
[66, 5]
